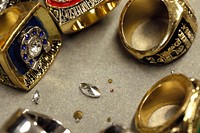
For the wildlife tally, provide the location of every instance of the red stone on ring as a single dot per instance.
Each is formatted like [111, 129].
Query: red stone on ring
[62, 3]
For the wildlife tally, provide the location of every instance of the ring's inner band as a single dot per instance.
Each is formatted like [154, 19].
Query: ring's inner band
[92, 16]
[8, 19]
[172, 90]
[145, 24]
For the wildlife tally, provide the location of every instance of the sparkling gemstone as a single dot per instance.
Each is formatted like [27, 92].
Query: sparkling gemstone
[25, 57]
[62, 3]
[3, 4]
[31, 62]
[41, 33]
[27, 36]
[36, 97]
[24, 47]
[44, 41]
[35, 47]
[34, 32]
[90, 90]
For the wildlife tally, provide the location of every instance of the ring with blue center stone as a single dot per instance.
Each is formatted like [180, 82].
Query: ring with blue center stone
[30, 42]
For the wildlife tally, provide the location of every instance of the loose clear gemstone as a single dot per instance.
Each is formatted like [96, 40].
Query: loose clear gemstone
[36, 97]
[35, 47]
[90, 90]
[3, 4]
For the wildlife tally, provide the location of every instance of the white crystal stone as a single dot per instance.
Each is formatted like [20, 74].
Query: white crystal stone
[36, 97]
[3, 4]
[35, 47]
[90, 90]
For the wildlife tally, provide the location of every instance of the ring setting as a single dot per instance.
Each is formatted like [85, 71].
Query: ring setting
[175, 18]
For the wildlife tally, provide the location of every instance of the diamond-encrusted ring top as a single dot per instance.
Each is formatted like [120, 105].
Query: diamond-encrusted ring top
[33, 41]
[74, 15]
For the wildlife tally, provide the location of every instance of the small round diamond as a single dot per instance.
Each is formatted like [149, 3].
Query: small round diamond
[35, 47]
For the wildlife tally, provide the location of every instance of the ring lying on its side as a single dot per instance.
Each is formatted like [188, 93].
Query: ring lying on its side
[75, 15]
[29, 42]
[178, 24]
[175, 89]
[25, 121]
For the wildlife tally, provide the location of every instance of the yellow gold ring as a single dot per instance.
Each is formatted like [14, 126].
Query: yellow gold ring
[75, 15]
[175, 89]
[29, 42]
[157, 31]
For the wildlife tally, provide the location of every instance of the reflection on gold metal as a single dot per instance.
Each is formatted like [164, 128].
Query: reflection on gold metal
[175, 89]
[80, 15]
[26, 22]
[175, 31]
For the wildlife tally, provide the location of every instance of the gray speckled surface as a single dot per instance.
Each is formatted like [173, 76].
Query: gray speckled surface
[94, 56]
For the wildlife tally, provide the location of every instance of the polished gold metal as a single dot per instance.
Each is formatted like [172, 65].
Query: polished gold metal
[175, 89]
[81, 15]
[176, 30]
[13, 21]
[25, 121]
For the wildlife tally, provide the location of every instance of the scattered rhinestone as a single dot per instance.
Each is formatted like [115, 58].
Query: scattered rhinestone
[110, 81]
[90, 90]
[78, 115]
[112, 90]
[36, 97]
[109, 119]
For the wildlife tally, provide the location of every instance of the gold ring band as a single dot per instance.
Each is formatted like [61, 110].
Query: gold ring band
[175, 89]
[176, 27]
[29, 42]
[79, 14]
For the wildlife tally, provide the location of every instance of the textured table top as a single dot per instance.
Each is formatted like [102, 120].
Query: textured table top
[94, 56]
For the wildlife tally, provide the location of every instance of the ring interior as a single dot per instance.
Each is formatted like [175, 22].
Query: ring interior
[93, 15]
[140, 11]
[8, 20]
[173, 90]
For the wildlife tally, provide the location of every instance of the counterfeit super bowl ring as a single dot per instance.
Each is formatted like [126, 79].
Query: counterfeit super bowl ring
[175, 89]
[29, 43]
[25, 121]
[157, 31]
[75, 15]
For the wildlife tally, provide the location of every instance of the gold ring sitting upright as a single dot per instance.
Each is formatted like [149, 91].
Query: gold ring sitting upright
[75, 15]
[29, 43]
[175, 89]
[174, 28]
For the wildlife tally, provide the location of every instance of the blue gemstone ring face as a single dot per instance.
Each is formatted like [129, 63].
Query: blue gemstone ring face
[33, 42]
